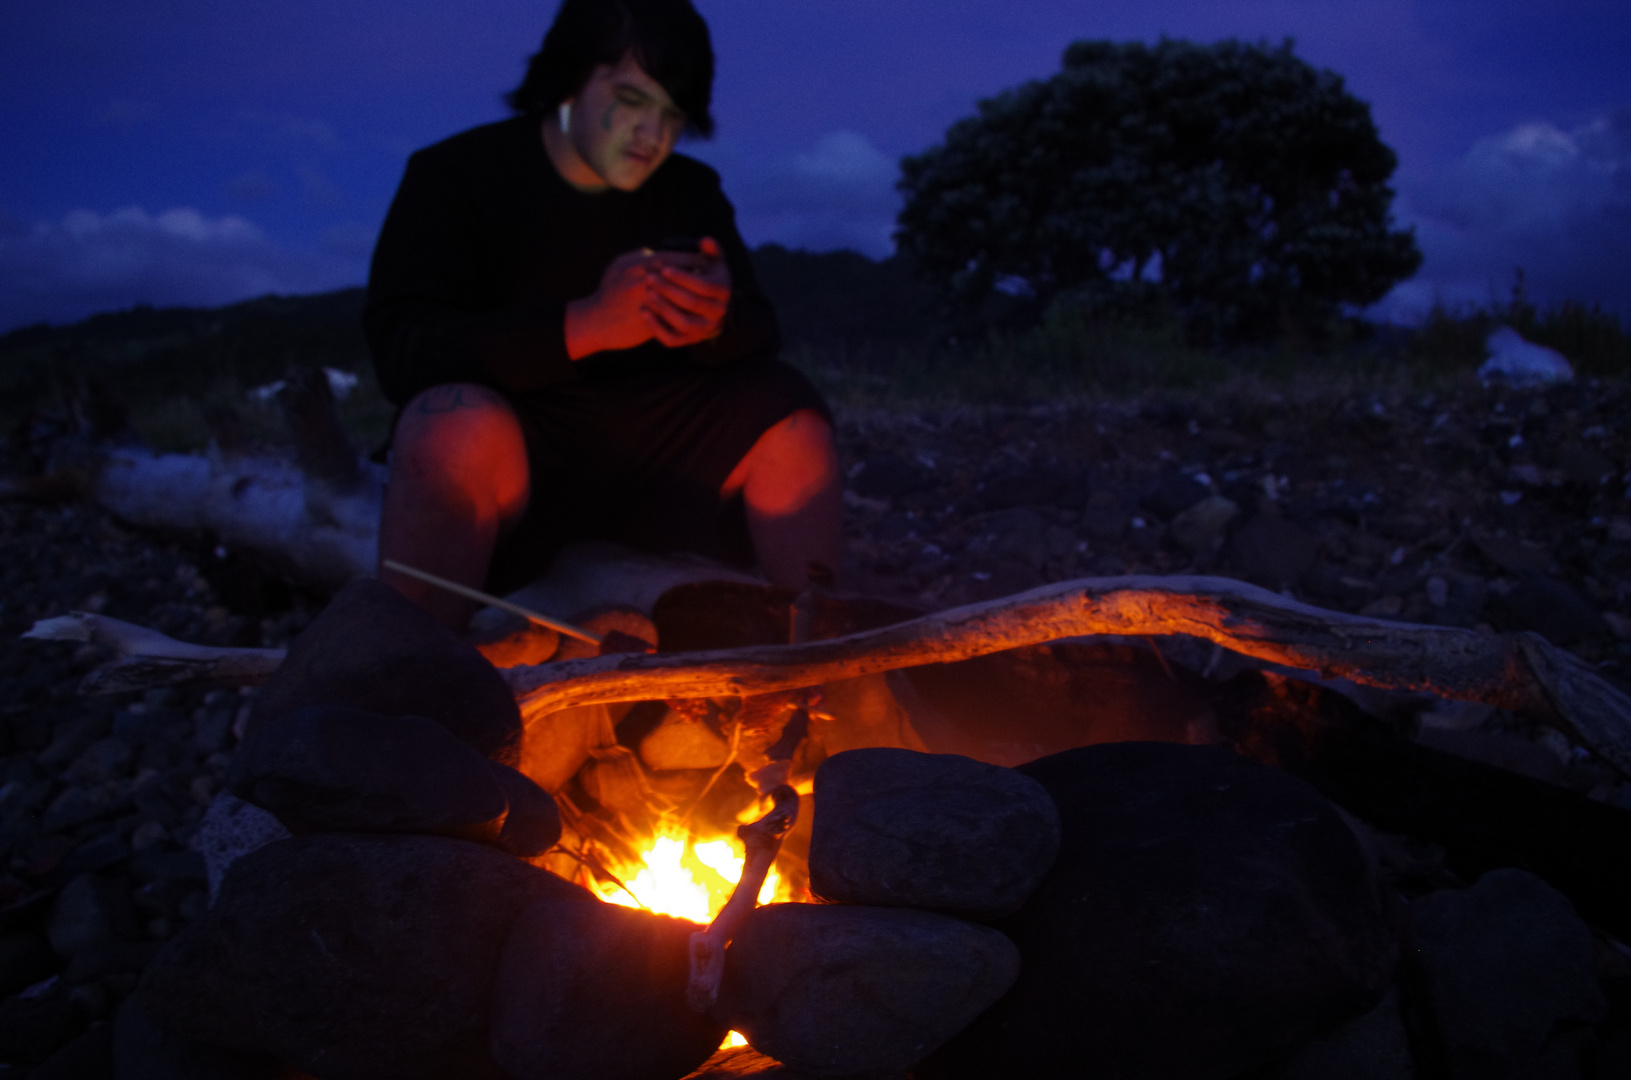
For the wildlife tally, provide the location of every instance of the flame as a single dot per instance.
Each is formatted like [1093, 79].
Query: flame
[689, 880]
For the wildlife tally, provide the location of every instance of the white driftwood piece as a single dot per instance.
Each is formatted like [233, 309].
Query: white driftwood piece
[145, 658]
[318, 535]
[306, 530]
[326, 538]
[1521, 672]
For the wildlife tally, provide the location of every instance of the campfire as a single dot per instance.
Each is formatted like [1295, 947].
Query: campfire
[684, 877]
[436, 912]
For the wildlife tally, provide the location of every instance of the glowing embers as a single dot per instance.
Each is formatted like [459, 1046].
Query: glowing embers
[685, 879]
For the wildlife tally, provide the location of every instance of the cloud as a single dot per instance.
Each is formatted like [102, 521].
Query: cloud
[254, 186]
[1554, 201]
[318, 190]
[291, 129]
[89, 262]
[351, 240]
[840, 193]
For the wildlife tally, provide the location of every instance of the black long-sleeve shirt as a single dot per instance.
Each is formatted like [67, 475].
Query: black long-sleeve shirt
[485, 244]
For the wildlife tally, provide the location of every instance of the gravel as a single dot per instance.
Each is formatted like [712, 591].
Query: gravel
[1484, 508]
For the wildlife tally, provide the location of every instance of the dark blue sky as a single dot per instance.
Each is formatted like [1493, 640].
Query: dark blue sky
[201, 151]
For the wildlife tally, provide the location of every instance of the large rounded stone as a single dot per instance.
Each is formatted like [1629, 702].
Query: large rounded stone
[532, 821]
[1504, 977]
[597, 990]
[897, 828]
[841, 991]
[352, 957]
[1376, 1046]
[1205, 915]
[373, 649]
[144, 1052]
[344, 770]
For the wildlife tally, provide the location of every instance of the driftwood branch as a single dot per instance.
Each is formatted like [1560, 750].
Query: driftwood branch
[1520, 672]
[145, 658]
[761, 842]
[307, 529]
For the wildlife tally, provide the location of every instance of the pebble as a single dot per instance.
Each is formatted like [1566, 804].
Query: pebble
[1273, 552]
[104, 760]
[90, 912]
[1202, 527]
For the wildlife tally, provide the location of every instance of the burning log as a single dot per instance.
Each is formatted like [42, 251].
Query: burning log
[1520, 672]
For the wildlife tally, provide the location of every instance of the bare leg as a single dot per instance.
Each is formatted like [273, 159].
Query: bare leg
[794, 497]
[458, 481]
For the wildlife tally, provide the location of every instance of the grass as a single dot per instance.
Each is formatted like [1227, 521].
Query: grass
[1064, 356]
[1596, 342]
[184, 376]
[1070, 356]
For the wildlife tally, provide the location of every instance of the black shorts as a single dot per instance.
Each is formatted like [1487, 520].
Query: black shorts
[636, 454]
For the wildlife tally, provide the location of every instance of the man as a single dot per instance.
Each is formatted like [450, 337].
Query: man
[565, 314]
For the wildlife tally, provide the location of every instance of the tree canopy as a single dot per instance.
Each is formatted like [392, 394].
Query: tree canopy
[1232, 185]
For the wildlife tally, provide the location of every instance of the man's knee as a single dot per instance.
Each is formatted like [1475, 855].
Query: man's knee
[464, 436]
[792, 463]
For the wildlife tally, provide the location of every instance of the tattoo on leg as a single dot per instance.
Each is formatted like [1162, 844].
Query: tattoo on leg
[445, 399]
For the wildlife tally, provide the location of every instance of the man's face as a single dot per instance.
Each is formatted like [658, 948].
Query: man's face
[624, 124]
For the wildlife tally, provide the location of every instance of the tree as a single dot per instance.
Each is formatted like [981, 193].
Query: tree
[1233, 185]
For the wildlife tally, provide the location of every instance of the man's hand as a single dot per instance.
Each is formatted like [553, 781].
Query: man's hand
[614, 317]
[690, 294]
[678, 298]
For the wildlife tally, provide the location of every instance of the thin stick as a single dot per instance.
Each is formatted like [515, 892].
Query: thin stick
[595, 866]
[736, 742]
[503, 605]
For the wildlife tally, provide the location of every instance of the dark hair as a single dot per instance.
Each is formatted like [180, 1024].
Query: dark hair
[668, 38]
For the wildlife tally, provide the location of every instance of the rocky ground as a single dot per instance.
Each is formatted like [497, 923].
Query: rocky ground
[1482, 508]
[1490, 509]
